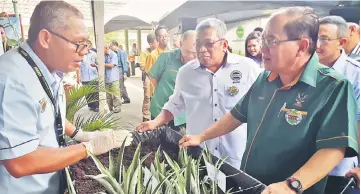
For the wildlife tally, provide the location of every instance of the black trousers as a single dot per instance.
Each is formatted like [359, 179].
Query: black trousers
[92, 99]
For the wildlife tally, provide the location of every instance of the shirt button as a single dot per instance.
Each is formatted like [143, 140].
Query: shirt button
[215, 104]
[216, 148]
[215, 90]
[215, 119]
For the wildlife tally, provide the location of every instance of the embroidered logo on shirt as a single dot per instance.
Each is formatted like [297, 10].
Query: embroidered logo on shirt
[300, 99]
[293, 117]
[233, 90]
[42, 103]
[236, 76]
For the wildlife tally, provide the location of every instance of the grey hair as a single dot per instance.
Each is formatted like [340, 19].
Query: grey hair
[214, 23]
[187, 34]
[51, 15]
[303, 23]
[342, 28]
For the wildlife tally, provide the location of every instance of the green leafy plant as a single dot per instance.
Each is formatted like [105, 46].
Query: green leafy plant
[166, 177]
[77, 100]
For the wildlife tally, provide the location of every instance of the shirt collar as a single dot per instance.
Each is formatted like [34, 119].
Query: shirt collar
[231, 59]
[308, 75]
[49, 77]
[356, 50]
[339, 65]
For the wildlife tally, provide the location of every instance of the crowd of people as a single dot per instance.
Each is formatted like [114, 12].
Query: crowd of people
[287, 113]
[292, 101]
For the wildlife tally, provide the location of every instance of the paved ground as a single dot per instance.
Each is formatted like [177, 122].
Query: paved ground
[131, 114]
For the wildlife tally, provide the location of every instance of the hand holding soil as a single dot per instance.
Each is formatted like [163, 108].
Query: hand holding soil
[146, 126]
[190, 140]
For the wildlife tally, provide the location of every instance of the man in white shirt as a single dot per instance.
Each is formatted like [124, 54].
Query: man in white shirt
[332, 37]
[209, 87]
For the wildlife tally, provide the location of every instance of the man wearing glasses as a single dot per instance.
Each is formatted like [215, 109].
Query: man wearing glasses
[32, 104]
[331, 39]
[161, 32]
[164, 72]
[300, 114]
[208, 88]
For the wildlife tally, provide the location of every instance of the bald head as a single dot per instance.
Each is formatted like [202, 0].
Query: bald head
[354, 37]
[187, 45]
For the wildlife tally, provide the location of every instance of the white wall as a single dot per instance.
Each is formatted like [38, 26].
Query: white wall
[238, 44]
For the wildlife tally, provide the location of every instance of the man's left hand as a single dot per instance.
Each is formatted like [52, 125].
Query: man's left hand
[355, 172]
[278, 188]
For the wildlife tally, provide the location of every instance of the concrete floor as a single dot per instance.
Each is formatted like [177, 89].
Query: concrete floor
[131, 114]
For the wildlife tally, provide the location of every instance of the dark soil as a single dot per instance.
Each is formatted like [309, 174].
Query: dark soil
[86, 166]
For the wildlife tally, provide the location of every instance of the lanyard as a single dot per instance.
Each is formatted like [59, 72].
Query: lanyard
[58, 120]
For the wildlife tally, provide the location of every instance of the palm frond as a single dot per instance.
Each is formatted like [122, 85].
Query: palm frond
[97, 121]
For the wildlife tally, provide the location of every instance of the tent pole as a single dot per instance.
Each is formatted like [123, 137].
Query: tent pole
[97, 8]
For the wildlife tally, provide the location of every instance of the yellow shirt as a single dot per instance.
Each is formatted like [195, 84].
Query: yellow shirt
[150, 60]
[143, 58]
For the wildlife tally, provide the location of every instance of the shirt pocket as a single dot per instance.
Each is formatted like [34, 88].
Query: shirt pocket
[233, 93]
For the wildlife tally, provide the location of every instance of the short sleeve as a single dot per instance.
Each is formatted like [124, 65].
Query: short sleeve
[240, 110]
[176, 104]
[18, 121]
[159, 66]
[338, 122]
[114, 59]
[149, 62]
[142, 59]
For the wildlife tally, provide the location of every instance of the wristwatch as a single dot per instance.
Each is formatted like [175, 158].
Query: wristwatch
[295, 185]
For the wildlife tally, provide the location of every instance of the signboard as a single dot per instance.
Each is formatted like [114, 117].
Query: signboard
[240, 32]
[12, 27]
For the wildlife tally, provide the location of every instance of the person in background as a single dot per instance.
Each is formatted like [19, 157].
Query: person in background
[161, 32]
[207, 88]
[132, 55]
[4, 39]
[112, 80]
[89, 76]
[352, 45]
[153, 44]
[332, 36]
[123, 69]
[33, 154]
[300, 115]
[253, 47]
[127, 59]
[176, 40]
[163, 75]
[258, 29]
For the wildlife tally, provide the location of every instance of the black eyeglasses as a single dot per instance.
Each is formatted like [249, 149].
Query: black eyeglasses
[79, 46]
[208, 45]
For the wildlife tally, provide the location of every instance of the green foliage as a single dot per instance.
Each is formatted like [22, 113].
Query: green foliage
[77, 101]
[166, 177]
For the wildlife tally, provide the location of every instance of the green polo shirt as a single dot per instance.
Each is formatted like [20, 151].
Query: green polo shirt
[165, 71]
[288, 124]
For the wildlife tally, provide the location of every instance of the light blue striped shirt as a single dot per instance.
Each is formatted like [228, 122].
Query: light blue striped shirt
[27, 120]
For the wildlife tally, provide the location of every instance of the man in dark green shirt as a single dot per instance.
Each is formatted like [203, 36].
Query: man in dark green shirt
[163, 74]
[300, 115]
